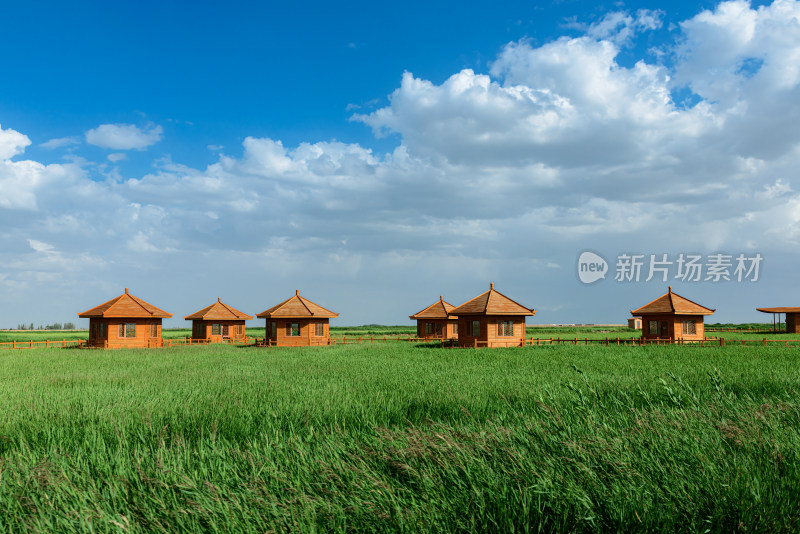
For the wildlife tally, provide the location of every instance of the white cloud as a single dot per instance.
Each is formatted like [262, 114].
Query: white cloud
[60, 142]
[123, 136]
[117, 156]
[12, 143]
[498, 175]
[40, 246]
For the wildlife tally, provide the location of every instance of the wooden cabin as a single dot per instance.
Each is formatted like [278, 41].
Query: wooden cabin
[491, 320]
[125, 322]
[792, 316]
[635, 323]
[218, 323]
[435, 321]
[297, 322]
[672, 317]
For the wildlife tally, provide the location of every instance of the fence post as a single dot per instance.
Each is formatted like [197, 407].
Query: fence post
[722, 342]
[765, 342]
[31, 343]
[47, 344]
[475, 343]
[13, 343]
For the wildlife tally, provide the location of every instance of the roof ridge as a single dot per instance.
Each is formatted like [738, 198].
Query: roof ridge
[139, 302]
[303, 301]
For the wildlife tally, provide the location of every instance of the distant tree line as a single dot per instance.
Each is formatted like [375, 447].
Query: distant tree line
[54, 326]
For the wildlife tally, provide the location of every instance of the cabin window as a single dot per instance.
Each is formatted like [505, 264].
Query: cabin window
[215, 329]
[438, 328]
[292, 329]
[319, 329]
[94, 331]
[505, 328]
[689, 327]
[154, 330]
[652, 328]
[476, 328]
[428, 328]
[225, 330]
[127, 330]
[102, 330]
[455, 328]
[274, 330]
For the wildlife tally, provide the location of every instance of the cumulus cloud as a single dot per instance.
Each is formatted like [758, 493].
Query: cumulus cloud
[12, 143]
[123, 136]
[503, 174]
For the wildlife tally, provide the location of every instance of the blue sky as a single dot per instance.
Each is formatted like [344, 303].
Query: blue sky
[376, 157]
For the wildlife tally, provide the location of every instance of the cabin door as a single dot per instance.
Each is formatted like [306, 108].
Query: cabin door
[225, 334]
[664, 330]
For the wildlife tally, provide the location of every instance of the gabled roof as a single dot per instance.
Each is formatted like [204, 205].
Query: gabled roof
[297, 307]
[672, 304]
[219, 311]
[126, 306]
[779, 310]
[492, 303]
[438, 310]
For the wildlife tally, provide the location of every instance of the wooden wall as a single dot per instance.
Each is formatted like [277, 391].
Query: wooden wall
[792, 323]
[488, 332]
[202, 330]
[674, 327]
[448, 328]
[307, 335]
[112, 340]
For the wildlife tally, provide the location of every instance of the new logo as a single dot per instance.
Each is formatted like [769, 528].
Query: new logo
[591, 267]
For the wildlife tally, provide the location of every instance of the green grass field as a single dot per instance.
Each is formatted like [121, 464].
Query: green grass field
[401, 437]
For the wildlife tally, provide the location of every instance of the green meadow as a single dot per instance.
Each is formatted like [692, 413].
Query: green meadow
[401, 437]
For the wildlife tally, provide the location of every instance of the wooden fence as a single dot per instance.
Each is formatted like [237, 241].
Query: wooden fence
[529, 342]
[47, 344]
[747, 330]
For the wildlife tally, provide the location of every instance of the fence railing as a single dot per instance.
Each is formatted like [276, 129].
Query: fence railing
[444, 342]
[47, 344]
[748, 330]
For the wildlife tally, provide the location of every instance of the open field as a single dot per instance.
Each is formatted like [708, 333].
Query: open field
[401, 437]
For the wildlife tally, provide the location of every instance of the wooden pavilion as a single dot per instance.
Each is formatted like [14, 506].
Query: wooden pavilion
[491, 320]
[125, 322]
[435, 321]
[297, 322]
[672, 317]
[792, 318]
[218, 323]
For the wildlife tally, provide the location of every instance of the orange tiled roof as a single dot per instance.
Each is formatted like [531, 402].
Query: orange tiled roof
[128, 306]
[297, 307]
[492, 303]
[673, 304]
[438, 310]
[219, 311]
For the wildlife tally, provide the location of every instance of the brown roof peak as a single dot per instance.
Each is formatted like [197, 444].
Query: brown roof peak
[492, 302]
[127, 306]
[438, 310]
[297, 307]
[672, 303]
[219, 311]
